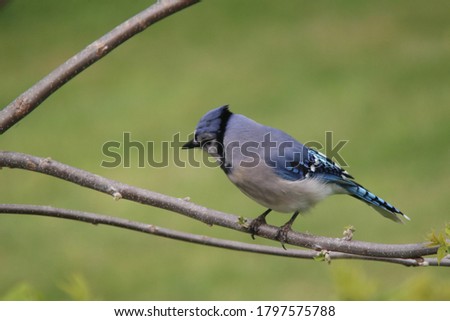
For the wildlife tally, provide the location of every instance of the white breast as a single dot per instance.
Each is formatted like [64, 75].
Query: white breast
[271, 191]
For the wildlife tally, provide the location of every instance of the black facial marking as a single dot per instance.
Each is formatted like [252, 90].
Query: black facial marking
[224, 117]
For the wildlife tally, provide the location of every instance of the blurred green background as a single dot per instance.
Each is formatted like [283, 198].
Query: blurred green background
[374, 73]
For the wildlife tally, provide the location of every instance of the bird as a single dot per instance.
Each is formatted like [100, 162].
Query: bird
[275, 170]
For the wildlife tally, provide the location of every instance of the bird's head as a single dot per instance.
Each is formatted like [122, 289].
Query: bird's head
[210, 131]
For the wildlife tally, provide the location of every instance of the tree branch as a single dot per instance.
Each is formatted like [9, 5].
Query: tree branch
[211, 217]
[33, 97]
[197, 239]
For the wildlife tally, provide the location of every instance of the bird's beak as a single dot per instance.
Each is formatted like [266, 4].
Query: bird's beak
[191, 144]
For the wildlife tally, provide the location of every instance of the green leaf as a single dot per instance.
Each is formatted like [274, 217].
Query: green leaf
[76, 287]
[350, 227]
[323, 256]
[22, 292]
[319, 257]
[438, 239]
[442, 239]
[441, 253]
[242, 221]
[348, 232]
[433, 238]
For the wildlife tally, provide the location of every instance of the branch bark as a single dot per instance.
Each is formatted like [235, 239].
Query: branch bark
[94, 218]
[33, 97]
[211, 217]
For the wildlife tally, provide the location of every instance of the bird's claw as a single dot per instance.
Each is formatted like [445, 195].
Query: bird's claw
[255, 224]
[282, 234]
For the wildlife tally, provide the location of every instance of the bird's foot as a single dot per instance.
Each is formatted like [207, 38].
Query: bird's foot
[255, 224]
[283, 231]
[282, 234]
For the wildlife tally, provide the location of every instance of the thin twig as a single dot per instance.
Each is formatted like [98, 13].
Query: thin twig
[193, 238]
[33, 97]
[211, 217]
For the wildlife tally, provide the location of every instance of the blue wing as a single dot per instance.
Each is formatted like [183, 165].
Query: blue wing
[300, 162]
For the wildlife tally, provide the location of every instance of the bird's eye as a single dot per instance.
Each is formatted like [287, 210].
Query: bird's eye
[210, 147]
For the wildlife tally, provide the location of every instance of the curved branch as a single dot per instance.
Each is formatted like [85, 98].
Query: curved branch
[198, 239]
[33, 97]
[212, 217]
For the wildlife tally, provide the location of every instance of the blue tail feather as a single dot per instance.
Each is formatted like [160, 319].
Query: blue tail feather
[379, 204]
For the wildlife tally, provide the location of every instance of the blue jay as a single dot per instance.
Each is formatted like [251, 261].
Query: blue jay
[274, 169]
